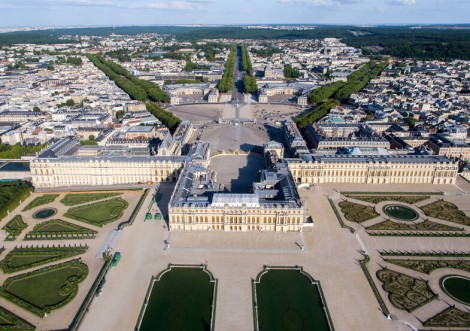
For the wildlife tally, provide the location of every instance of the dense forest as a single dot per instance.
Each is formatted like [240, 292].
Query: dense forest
[424, 43]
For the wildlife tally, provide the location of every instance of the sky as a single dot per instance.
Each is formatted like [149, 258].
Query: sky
[21, 13]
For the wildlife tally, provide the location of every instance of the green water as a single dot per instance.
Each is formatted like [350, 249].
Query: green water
[45, 213]
[288, 301]
[400, 212]
[457, 287]
[180, 301]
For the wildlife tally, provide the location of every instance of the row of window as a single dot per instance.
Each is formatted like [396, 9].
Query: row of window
[235, 220]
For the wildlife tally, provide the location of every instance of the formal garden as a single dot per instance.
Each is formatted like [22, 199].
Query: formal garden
[422, 226]
[356, 212]
[446, 211]
[44, 290]
[180, 298]
[21, 258]
[98, 213]
[375, 199]
[425, 262]
[428, 266]
[405, 292]
[288, 299]
[74, 199]
[14, 227]
[12, 322]
[40, 201]
[58, 229]
[399, 219]
[451, 317]
[47, 277]
[407, 214]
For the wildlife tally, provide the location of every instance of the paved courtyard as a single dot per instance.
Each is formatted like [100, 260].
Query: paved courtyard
[226, 137]
[200, 114]
[237, 172]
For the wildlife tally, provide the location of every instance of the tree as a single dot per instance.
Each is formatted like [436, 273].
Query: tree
[119, 113]
[249, 84]
[317, 113]
[137, 89]
[70, 103]
[36, 109]
[76, 61]
[290, 72]
[411, 122]
[226, 83]
[91, 137]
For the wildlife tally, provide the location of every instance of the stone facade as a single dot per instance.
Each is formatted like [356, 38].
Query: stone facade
[392, 169]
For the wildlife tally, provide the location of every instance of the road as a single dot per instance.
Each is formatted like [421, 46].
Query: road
[238, 75]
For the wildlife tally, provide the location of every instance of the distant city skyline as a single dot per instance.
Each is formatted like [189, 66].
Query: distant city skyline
[37, 13]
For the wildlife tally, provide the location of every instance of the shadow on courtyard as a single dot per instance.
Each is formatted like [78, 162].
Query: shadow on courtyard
[247, 175]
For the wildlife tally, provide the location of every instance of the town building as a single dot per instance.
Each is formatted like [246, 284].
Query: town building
[334, 136]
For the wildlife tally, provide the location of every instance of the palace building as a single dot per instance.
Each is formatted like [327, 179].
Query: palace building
[373, 169]
[274, 205]
[63, 165]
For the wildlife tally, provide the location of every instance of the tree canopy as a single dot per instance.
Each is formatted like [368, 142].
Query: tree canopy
[226, 83]
[290, 72]
[249, 81]
[137, 89]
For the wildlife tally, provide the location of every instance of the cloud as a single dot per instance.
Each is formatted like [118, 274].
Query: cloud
[401, 2]
[136, 4]
[318, 3]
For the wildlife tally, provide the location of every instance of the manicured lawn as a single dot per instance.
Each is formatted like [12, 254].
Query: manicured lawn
[356, 212]
[60, 230]
[180, 301]
[446, 211]
[27, 257]
[49, 288]
[9, 321]
[42, 200]
[288, 301]
[80, 198]
[14, 227]
[99, 213]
